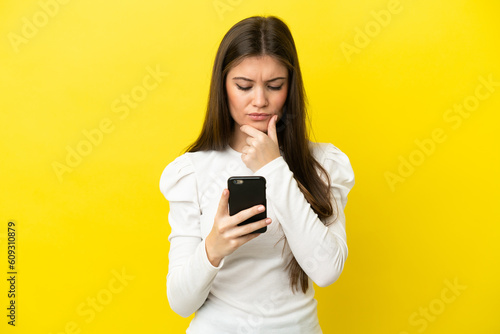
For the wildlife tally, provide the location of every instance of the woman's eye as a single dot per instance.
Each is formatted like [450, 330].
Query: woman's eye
[248, 88]
[243, 88]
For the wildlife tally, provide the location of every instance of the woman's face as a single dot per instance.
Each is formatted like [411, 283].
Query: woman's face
[256, 89]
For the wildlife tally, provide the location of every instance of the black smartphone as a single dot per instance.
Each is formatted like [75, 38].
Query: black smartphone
[245, 192]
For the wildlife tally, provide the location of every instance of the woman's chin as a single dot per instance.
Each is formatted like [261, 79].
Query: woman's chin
[261, 125]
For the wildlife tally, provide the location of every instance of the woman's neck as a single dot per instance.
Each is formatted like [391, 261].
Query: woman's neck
[238, 140]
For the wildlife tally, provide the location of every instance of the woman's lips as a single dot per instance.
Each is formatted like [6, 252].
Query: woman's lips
[259, 116]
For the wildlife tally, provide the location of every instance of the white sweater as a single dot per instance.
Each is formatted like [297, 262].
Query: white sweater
[249, 292]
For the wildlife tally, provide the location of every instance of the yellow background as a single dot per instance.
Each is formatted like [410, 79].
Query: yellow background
[78, 231]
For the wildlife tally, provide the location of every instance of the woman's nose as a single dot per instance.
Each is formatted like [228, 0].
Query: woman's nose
[259, 98]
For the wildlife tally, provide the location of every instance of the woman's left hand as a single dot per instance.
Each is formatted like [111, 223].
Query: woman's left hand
[260, 148]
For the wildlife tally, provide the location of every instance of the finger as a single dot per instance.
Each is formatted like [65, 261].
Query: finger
[250, 140]
[251, 131]
[271, 129]
[247, 149]
[223, 209]
[251, 227]
[247, 213]
[247, 237]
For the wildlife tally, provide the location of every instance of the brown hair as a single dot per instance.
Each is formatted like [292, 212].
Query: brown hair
[256, 36]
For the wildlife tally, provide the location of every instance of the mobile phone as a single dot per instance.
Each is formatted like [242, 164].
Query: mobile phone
[245, 192]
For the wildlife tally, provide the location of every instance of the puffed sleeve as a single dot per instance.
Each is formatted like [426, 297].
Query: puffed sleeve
[190, 273]
[320, 250]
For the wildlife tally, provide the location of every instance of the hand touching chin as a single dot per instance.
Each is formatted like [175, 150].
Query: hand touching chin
[261, 147]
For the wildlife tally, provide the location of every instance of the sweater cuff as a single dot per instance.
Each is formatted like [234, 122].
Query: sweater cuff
[271, 166]
[206, 262]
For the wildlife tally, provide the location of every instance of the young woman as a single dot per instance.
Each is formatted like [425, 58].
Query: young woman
[237, 281]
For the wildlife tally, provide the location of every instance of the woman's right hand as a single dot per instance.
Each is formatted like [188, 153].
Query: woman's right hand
[226, 236]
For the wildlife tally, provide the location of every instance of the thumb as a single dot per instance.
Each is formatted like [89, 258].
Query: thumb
[271, 129]
[223, 209]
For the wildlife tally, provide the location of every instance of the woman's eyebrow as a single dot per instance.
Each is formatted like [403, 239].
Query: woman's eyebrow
[250, 80]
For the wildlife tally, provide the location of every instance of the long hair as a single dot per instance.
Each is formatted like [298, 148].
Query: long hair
[257, 36]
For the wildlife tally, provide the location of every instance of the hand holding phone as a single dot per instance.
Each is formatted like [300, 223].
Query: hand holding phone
[231, 231]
